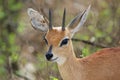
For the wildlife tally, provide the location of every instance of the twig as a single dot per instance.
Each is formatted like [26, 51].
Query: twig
[89, 43]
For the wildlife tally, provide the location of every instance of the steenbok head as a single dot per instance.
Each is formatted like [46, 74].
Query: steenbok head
[59, 38]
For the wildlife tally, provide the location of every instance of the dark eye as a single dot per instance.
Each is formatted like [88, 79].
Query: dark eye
[64, 42]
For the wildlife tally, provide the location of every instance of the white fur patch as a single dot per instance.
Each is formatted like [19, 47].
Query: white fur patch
[58, 28]
[60, 60]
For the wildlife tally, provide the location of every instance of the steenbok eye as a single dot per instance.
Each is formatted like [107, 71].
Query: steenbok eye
[64, 42]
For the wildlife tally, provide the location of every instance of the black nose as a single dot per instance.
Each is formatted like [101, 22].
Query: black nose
[49, 56]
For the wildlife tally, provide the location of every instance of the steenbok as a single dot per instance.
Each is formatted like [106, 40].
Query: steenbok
[102, 65]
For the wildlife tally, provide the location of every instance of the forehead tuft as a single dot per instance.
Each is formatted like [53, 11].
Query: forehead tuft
[55, 35]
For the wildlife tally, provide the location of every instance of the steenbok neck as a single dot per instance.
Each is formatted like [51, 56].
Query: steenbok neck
[70, 65]
[70, 53]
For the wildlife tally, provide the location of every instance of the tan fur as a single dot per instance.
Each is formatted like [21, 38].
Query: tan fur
[54, 36]
[102, 65]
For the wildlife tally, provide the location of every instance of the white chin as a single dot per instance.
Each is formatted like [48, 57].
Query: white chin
[60, 60]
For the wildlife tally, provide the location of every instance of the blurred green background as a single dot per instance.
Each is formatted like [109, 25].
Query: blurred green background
[22, 48]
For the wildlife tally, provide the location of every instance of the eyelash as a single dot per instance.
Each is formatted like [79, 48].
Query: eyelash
[64, 42]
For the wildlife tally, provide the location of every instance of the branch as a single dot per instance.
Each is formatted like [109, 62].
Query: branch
[89, 43]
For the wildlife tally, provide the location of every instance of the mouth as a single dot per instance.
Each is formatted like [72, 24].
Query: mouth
[54, 59]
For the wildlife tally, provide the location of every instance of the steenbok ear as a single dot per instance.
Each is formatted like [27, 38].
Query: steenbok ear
[37, 20]
[78, 21]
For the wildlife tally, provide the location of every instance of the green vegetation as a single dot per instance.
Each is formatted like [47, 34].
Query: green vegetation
[102, 27]
[8, 25]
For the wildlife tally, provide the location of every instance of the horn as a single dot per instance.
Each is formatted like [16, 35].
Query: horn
[63, 21]
[50, 20]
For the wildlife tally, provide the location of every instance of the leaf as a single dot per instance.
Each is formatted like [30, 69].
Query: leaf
[110, 26]
[108, 39]
[2, 59]
[16, 6]
[53, 78]
[21, 27]
[83, 37]
[2, 14]
[104, 4]
[105, 13]
[85, 51]
[99, 33]
[91, 28]
[11, 38]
